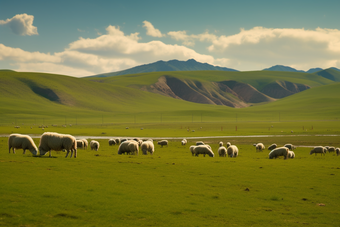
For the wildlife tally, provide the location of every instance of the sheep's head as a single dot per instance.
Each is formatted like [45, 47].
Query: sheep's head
[42, 152]
[34, 151]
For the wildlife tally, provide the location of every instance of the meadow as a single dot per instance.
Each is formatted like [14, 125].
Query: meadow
[171, 187]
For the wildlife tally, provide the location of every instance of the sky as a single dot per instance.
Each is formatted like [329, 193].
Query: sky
[84, 38]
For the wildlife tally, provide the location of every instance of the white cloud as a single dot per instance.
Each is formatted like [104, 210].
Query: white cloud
[151, 30]
[21, 24]
[182, 36]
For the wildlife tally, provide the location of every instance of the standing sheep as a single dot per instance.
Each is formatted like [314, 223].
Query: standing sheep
[112, 142]
[80, 144]
[129, 147]
[290, 146]
[259, 147]
[117, 141]
[86, 144]
[220, 144]
[272, 147]
[232, 151]
[202, 149]
[337, 150]
[57, 142]
[163, 143]
[291, 154]
[147, 146]
[318, 149]
[280, 151]
[331, 149]
[228, 144]
[222, 151]
[18, 141]
[184, 142]
[94, 145]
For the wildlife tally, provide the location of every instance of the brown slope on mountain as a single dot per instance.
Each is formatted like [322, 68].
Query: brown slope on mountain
[247, 93]
[281, 89]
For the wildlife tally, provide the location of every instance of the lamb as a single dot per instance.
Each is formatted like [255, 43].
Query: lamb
[57, 142]
[260, 147]
[85, 143]
[129, 147]
[202, 149]
[291, 154]
[272, 147]
[163, 143]
[19, 141]
[112, 142]
[80, 144]
[184, 142]
[290, 146]
[318, 149]
[199, 143]
[232, 151]
[331, 149]
[147, 146]
[222, 151]
[280, 151]
[94, 145]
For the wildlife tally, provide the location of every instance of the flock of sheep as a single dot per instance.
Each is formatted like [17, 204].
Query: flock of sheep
[63, 142]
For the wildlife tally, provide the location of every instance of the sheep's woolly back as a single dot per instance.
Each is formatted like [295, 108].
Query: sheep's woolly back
[129, 147]
[112, 142]
[94, 145]
[281, 151]
[162, 142]
[184, 142]
[57, 142]
[86, 144]
[232, 151]
[203, 149]
[19, 141]
[260, 147]
[199, 143]
[222, 151]
[319, 149]
[289, 146]
[272, 147]
[147, 146]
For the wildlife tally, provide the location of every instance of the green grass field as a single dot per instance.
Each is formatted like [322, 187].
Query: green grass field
[172, 188]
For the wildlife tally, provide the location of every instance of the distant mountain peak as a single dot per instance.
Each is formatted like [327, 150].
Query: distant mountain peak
[282, 68]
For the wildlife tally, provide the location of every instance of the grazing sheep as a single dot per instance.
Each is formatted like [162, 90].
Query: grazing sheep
[112, 142]
[222, 151]
[184, 142]
[228, 144]
[331, 149]
[199, 143]
[129, 147]
[86, 144]
[318, 149]
[191, 148]
[94, 145]
[80, 144]
[163, 143]
[337, 150]
[291, 154]
[57, 142]
[259, 147]
[232, 151]
[272, 147]
[290, 146]
[123, 140]
[18, 141]
[147, 146]
[202, 149]
[280, 151]
[220, 144]
[117, 140]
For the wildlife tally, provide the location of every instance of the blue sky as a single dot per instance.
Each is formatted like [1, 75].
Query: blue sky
[82, 38]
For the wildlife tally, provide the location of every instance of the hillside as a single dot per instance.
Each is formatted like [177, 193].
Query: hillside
[148, 96]
[163, 66]
[331, 74]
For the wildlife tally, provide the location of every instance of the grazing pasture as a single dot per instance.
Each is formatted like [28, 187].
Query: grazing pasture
[171, 187]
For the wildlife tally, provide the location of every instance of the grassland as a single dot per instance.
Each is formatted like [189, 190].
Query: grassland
[171, 188]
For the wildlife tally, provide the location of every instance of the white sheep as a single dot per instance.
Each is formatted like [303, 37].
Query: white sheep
[199, 143]
[117, 141]
[280, 151]
[112, 142]
[228, 144]
[337, 150]
[202, 149]
[290, 146]
[184, 142]
[163, 143]
[220, 144]
[80, 144]
[331, 149]
[318, 149]
[57, 142]
[19, 141]
[129, 147]
[260, 147]
[291, 154]
[85, 143]
[272, 147]
[147, 146]
[222, 151]
[94, 145]
[232, 151]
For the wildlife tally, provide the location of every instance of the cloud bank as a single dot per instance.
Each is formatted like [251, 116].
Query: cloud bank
[151, 30]
[21, 24]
